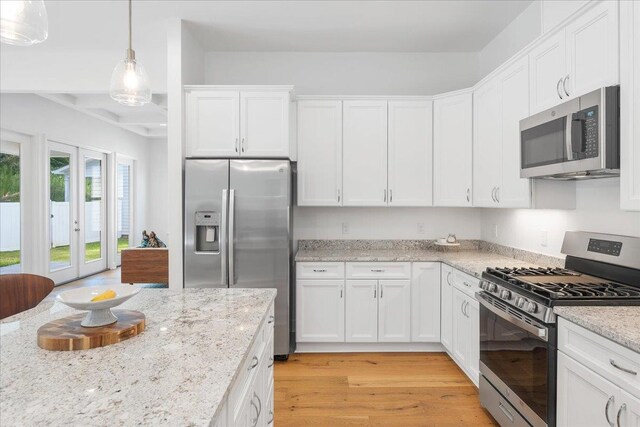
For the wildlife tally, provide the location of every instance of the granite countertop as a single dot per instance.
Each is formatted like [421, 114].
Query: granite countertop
[177, 372]
[618, 323]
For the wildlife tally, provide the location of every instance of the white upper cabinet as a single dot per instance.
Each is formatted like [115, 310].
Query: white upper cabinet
[410, 153]
[425, 302]
[630, 105]
[452, 150]
[592, 50]
[394, 311]
[548, 69]
[264, 124]
[319, 153]
[513, 83]
[577, 59]
[235, 123]
[212, 123]
[487, 144]
[364, 149]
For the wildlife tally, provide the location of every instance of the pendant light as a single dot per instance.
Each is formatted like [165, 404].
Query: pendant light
[129, 81]
[23, 23]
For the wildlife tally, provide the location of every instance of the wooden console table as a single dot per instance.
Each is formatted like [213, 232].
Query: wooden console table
[145, 265]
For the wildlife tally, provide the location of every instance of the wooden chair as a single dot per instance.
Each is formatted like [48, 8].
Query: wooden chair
[20, 292]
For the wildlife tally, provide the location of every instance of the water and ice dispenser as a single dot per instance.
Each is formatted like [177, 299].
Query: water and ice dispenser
[207, 231]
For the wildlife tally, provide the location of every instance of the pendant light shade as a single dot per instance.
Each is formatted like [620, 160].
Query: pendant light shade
[129, 81]
[23, 23]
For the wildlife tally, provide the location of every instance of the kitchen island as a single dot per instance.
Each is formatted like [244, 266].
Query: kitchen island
[186, 368]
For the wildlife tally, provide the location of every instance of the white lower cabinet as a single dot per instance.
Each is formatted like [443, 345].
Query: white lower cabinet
[446, 307]
[320, 310]
[362, 311]
[465, 342]
[425, 302]
[394, 313]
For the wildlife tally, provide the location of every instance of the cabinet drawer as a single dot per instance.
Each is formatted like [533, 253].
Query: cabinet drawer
[607, 358]
[465, 283]
[320, 270]
[378, 270]
[247, 374]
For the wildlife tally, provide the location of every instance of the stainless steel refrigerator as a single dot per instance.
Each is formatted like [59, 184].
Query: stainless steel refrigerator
[237, 228]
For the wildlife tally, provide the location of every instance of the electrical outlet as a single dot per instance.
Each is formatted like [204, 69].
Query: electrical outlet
[543, 238]
[495, 230]
[346, 228]
[421, 228]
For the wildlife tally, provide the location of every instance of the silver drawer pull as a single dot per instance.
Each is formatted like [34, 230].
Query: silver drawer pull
[606, 410]
[505, 411]
[466, 284]
[270, 365]
[622, 408]
[373, 270]
[271, 319]
[615, 365]
[255, 363]
[319, 270]
[271, 420]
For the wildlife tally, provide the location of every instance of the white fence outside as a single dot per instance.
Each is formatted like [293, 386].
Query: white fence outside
[60, 230]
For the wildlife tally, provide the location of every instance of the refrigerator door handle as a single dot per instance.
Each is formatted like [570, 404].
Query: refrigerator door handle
[223, 238]
[232, 237]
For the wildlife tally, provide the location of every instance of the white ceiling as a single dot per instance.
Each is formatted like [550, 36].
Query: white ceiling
[304, 26]
[149, 120]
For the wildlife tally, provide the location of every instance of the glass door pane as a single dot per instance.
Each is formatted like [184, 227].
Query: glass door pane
[10, 208]
[92, 209]
[124, 200]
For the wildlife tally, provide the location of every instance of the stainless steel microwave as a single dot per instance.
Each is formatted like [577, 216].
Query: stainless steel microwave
[577, 139]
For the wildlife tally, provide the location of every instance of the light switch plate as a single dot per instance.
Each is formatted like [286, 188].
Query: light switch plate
[543, 238]
[346, 228]
[420, 228]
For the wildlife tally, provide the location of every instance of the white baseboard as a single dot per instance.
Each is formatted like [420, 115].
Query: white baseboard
[354, 347]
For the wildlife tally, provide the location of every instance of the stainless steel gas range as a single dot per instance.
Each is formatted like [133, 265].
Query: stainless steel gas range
[518, 342]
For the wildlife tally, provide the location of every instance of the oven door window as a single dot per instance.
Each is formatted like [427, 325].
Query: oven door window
[544, 144]
[518, 358]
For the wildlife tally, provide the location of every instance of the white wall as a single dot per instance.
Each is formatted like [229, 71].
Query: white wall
[385, 223]
[346, 73]
[597, 209]
[157, 198]
[519, 33]
[33, 115]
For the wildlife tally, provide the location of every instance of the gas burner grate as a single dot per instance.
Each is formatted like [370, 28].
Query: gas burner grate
[603, 290]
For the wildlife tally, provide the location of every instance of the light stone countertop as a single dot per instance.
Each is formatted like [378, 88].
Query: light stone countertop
[620, 324]
[472, 262]
[177, 372]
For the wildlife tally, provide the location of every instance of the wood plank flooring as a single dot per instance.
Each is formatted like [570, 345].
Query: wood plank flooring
[375, 389]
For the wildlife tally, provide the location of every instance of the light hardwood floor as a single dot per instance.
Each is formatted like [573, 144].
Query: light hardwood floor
[375, 389]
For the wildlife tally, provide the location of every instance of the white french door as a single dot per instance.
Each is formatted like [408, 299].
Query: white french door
[124, 205]
[77, 211]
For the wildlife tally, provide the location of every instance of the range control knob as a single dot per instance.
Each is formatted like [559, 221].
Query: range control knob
[520, 302]
[505, 294]
[493, 288]
[532, 307]
[484, 285]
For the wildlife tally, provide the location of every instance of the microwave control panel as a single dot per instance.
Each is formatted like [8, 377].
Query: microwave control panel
[589, 133]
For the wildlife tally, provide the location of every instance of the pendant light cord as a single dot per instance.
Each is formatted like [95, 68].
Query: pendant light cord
[130, 25]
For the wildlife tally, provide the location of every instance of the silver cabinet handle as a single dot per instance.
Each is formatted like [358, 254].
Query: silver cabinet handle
[498, 194]
[615, 365]
[340, 292]
[606, 410]
[243, 145]
[377, 270]
[462, 308]
[558, 88]
[468, 194]
[255, 420]
[254, 364]
[449, 277]
[385, 194]
[375, 291]
[224, 255]
[270, 365]
[564, 84]
[271, 320]
[338, 195]
[505, 411]
[622, 408]
[493, 194]
[271, 420]
[390, 195]
[259, 406]
[236, 145]
[76, 229]
[319, 270]
[381, 291]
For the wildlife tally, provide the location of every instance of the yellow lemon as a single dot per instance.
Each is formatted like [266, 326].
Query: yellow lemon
[105, 295]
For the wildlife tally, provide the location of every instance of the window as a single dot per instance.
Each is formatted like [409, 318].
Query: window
[10, 208]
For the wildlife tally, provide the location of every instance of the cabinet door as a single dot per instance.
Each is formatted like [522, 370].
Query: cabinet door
[547, 69]
[452, 150]
[264, 124]
[320, 311]
[410, 153]
[592, 49]
[212, 123]
[630, 105]
[472, 358]
[319, 153]
[460, 332]
[425, 302]
[446, 307]
[584, 397]
[361, 311]
[513, 191]
[364, 151]
[394, 311]
[486, 144]
[630, 412]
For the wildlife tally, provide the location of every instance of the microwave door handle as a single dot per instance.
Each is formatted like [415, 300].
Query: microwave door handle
[568, 142]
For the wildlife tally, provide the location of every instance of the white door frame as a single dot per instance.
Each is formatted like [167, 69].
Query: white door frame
[128, 161]
[94, 266]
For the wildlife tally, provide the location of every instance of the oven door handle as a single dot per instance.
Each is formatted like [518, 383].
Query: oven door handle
[539, 332]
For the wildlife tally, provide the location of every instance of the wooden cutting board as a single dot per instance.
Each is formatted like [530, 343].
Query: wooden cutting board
[67, 334]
